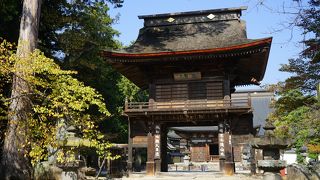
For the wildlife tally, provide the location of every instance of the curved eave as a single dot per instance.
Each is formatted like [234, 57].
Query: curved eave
[125, 55]
[255, 53]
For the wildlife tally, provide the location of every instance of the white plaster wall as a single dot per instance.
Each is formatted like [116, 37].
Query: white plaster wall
[291, 158]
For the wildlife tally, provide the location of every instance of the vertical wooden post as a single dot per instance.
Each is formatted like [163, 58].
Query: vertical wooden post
[154, 149]
[130, 142]
[221, 145]
[207, 152]
[226, 87]
[164, 160]
[152, 92]
[150, 167]
[157, 147]
[225, 150]
[226, 91]
[151, 104]
[229, 167]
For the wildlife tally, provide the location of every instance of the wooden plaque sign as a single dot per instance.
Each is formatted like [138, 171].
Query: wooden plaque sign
[221, 144]
[140, 140]
[187, 76]
[157, 146]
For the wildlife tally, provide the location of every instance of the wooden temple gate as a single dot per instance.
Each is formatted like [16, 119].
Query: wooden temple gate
[190, 63]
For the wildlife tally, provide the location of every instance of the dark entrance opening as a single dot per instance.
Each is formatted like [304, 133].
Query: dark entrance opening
[139, 159]
[214, 149]
[214, 152]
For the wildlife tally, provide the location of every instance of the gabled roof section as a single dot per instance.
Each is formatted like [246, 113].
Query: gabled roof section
[209, 36]
[194, 30]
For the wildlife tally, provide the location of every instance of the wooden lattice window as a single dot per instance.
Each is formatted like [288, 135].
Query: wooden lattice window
[197, 90]
[212, 90]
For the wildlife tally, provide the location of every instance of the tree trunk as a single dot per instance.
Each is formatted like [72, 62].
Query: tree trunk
[15, 164]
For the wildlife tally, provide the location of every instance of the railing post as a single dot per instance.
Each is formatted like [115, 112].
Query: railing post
[151, 103]
[227, 101]
[126, 104]
[249, 99]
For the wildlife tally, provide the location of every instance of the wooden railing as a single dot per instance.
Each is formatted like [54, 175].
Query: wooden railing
[188, 105]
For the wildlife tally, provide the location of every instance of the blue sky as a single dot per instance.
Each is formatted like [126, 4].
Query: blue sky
[262, 21]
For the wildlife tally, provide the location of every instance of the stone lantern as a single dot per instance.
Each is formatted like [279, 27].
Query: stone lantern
[70, 169]
[271, 146]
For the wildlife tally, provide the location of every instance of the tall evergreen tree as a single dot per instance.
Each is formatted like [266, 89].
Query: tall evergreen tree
[73, 32]
[15, 164]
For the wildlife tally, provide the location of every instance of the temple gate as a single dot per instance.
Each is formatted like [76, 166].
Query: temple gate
[191, 62]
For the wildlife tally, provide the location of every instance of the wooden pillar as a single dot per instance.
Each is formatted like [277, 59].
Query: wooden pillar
[221, 146]
[152, 96]
[157, 148]
[226, 87]
[152, 91]
[229, 166]
[130, 142]
[226, 91]
[154, 149]
[164, 159]
[150, 165]
[226, 161]
[207, 152]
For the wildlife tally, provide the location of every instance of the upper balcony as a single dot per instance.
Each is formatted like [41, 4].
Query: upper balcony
[235, 105]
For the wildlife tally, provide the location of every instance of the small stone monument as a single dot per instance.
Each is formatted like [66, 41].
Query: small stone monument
[70, 169]
[186, 159]
[271, 145]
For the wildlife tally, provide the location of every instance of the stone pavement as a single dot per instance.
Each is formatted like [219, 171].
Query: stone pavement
[192, 176]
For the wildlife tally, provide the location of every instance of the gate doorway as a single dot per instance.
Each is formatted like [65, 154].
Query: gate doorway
[193, 148]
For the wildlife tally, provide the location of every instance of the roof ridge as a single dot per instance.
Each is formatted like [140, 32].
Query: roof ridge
[188, 13]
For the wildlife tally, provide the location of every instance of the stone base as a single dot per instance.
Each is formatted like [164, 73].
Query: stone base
[221, 165]
[271, 176]
[157, 165]
[150, 168]
[229, 168]
[129, 167]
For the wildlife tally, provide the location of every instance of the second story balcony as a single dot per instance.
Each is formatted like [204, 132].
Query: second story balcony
[242, 104]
